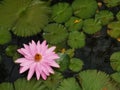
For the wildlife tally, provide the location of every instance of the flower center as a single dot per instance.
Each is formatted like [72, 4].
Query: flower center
[38, 57]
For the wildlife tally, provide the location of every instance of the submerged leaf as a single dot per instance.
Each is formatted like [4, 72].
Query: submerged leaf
[91, 26]
[24, 17]
[84, 8]
[115, 61]
[74, 24]
[61, 12]
[69, 84]
[55, 33]
[95, 80]
[104, 16]
[76, 39]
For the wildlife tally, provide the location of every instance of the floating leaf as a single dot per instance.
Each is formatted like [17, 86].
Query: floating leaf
[55, 33]
[61, 12]
[95, 80]
[115, 61]
[24, 17]
[23, 84]
[75, 64]
[116, 76]
[118, 15]
[53, 81]
[69, 84]
[111, 3]
[104, 16]
[6, 86]
[70, 52]
[91, 26]
[84, 8]
[74, 24]
[63, 61]
[114, 29]
[5, 36]
[76, 39]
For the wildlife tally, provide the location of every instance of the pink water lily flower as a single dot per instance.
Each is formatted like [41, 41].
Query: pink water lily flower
[38, 58]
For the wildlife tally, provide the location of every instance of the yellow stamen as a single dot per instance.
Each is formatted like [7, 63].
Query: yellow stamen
[118, 39]
[37, 57]
[76, 21]
[63, 50]
[99, 4]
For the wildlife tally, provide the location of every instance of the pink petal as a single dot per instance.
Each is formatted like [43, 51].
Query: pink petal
[43, 75]
[49, 69]
[23, 69]
[26, 63]
[53, 64]
[25, 52]
[20, 60]
[31, 71]
[21, 52]
[33, 48]
[37, 73]
[51, 49]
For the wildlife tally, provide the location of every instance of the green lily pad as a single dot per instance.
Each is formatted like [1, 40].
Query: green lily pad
[84, 8]
[75, 64]
[111, 3]
[63, 61]
[6, 86]
[104, 16]
[61, 12]
[118, 15]
[114, 29]
[115, 61]
[74, 24]
[95, 80]
[69, 84]
[24, 17]
[55, 33]
[116, 76]
[5, 36]
[91, 26]
[76, 39]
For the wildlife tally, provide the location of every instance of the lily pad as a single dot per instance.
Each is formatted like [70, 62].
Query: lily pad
[5, 36]
[55, 33]
[91, 26]
[115, 61]
[75, 64]
[114, 29]
[116, 76]
[61, 12]
[111, 3]
[74, 24]
[76, 39]
[84, 8]
[104, 16]
[24, 17]
[118, 15]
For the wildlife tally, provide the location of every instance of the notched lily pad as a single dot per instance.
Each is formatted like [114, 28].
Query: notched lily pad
[75, 64]
[114, 29]
[61, 12]
[115, 61]
[55, 33]
[104, 16]
[111, 3]
[74, 24]
[76, 39]
[91, 26]
[84, 8]
[5, 36]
